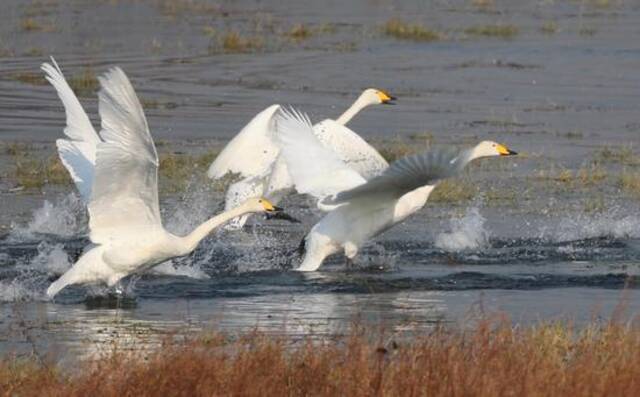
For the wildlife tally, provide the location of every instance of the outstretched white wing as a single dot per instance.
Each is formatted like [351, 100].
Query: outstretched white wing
[252, 151]
[350, 148]
[125, 190]
[315, 169]
[407, 174]
[78, 153]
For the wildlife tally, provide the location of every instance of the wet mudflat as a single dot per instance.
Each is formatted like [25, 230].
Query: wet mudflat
[551, 234]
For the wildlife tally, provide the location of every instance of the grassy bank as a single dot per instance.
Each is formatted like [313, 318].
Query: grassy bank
[490, 360]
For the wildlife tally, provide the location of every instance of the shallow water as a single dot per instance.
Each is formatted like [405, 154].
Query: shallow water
[557, 98]
[237, 283]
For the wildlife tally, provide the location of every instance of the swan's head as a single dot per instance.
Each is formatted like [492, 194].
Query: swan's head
[490, 148]
[373, 96]
[260, 204]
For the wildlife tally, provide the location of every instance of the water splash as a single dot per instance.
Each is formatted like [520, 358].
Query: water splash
[225, 251]
[17, 290]
[611, 223]
[63, 218]
[196, 206]
[28, 281]
[467, 232]
[51, 258]
[168, 268]
[377, 258]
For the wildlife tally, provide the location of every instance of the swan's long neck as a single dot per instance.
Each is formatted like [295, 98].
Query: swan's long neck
[354, 109]
[468, 155]
[191, 241]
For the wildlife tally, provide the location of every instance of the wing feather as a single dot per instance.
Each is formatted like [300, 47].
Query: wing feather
[252, 151]
[351, 148]
[315, 169]
[407, 174]
[125, 190]
[78, 153]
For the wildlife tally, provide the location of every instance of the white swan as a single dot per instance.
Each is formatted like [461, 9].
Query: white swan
[360, 209]
[117, 173]
[254, 156]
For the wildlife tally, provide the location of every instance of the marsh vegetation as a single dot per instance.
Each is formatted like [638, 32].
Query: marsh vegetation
[493, 358]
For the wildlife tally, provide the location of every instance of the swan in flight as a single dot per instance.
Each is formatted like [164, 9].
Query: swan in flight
[116, 173]
[359, 209]
[253, 153]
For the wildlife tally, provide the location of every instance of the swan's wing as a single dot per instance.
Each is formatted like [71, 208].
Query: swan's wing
[315, 169]
[407, 174]
[79, 159]
[252, 151]
[78, 152]
[125, 190]
[351, 148]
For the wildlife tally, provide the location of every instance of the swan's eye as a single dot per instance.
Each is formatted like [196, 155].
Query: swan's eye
[260, 201]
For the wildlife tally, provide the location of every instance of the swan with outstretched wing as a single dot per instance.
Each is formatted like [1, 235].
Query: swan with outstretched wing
[254, 155]
[117, 174]
[359, 208]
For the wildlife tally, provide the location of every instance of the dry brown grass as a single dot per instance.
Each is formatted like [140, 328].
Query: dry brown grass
[454, 190]
[84, 83]
[586, 176]
[234, 42]
[494, 359]
[630, 182]
[176, 8]
[29, 24]
[32, 173]
[300, 32]
[176, 170]
[549, 27]
[402, 30]
[395, 150]
[30, 78]
[620, 155]
[483, 3]
[501, 31]
[399, 146]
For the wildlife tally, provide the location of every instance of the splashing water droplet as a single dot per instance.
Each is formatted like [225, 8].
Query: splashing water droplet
[63, 218]
[467, 232]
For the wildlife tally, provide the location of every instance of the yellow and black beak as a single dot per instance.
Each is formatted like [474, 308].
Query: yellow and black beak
[275, 212]
[386, 99]
[505, 151]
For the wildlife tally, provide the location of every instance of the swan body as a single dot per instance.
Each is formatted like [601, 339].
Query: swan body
[137, 250]
[359, 209]
[254, 155]
[125, 226]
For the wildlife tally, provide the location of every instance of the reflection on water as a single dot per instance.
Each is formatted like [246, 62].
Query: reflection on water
[72, 332]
